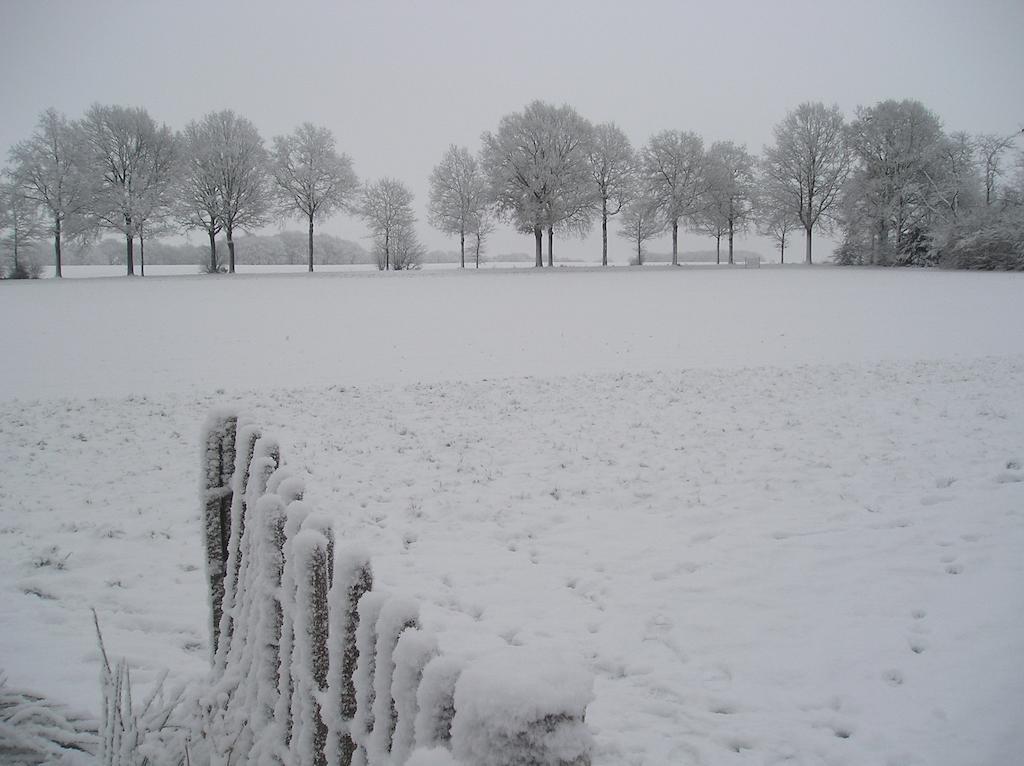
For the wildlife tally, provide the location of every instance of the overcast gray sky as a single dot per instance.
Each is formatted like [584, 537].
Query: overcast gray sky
[399, 81]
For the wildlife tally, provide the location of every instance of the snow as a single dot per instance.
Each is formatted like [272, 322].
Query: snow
[328, 329]
[520, 706]
[776, 513]
[435, 756]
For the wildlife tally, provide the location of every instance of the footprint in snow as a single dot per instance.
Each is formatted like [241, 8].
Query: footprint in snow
[893, 677]
[1008, 477]
[919, 628]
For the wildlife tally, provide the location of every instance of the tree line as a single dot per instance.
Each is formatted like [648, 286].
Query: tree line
[891, 182]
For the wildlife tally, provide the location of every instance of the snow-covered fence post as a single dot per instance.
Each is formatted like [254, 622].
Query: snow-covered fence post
[396, 616]
[415, 648]
[310, 549]
[516, 707]
[353, 578]
[258, 560]
[218, 439]
[268, 614]
[296, 513]
[366, 645]
[245, 443]
[435, 702]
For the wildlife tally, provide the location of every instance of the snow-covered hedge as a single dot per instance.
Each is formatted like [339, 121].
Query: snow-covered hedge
[312, 666]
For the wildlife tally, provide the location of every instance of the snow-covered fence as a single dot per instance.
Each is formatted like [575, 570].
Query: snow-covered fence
[218, 473]
[312, 666]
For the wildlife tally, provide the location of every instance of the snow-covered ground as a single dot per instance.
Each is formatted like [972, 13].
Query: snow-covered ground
[778, 512]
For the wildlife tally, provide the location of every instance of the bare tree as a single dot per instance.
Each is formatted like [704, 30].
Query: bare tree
[673, 169]
[458, 197]
[133, 161]
[48, 171]
[809, 162]
[20, 222]
[311, 179]
[536, 168]
[386, 206]
[612, 165]
[641, 220]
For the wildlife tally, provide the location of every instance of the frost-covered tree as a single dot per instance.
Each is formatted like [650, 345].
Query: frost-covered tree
[808, 164]
[48, 169]
[778, 223]
[953, 176]
[990, 149]
[197, 197]
[242, 177]
[641, 220]
[133, 161]
[612, 166]
[225, 184]
[774, 214]
[535, 164]
[386, 206]
[673, 171]
[458, 197]
[894, 146]
[712, 220]
[19, 223]
[728, 204]
[483, 228]
[311, 179]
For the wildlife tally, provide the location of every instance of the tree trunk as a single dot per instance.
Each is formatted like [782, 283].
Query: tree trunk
[129, 254]
[462, 248]
[213, 251]
[639, 249]
[718, 250]
[310, 243]
[675, 242]
[809, 244]
[604, 232]
[782, 250]
[142, 254]
[538, 236]
[387, 251]
[56, 247]
[477, 253]
[231, 249]
[551, 240]
[730, 242]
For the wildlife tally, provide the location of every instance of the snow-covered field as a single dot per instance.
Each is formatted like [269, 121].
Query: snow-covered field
[779, 512]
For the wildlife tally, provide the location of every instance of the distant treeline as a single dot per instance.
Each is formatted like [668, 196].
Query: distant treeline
[283, 248]
[890, 181]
